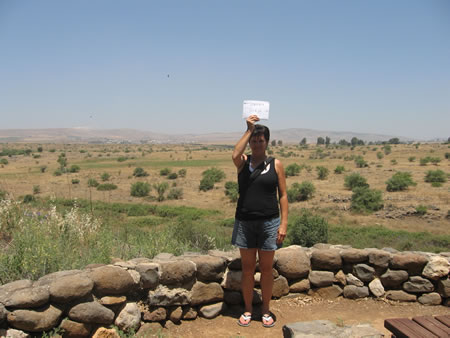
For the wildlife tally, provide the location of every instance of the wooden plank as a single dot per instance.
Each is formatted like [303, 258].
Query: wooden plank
[406, 328]
[444, 319]
[433, 325]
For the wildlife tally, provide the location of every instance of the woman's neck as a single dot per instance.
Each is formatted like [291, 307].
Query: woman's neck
[258, 158]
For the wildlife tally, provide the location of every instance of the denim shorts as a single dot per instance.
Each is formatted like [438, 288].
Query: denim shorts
[259, 234]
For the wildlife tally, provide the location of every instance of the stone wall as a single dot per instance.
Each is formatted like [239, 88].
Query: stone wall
[131, 295]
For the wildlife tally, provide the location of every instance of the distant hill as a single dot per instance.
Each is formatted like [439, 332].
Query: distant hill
[86, 135]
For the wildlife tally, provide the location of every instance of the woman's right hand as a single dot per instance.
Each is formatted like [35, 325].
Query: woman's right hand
[251, 120]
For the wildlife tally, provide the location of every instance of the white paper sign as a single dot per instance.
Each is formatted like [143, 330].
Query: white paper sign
[260, 108]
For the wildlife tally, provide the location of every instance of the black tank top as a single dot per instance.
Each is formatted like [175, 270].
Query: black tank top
[258, 197]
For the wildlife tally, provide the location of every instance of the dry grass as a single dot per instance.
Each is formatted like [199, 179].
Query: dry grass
[23, 172]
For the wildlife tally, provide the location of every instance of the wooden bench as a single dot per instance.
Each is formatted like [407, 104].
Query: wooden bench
[419, 327]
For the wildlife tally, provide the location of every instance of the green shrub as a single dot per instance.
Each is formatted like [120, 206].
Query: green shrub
[366, 200]
[122, 159]
[74, 168]
[232, 190]
[182, 172]
[339, 169]
[75, 181]
[436, 177]
[92, 182]
[400, 181]
[387, 149]
[57, 172]
[172, 176]
[307, 229]
[447, 156]
[106, 187]
[28, 198]
[421, 210]
[360, 162]
[206, 183]
[36, 189]
[411, 158]
[43, 168]
[175, 194]
[105, 177]
[3, 195]
[425, 160]
[161, 189]
[140, 189]
[380, 155]
[355, 180]
[216, 174]
[292, 170]
[322, 172]
[165, 172]
[300, 192]
[394, 162]
[139, 172]
[435, 160]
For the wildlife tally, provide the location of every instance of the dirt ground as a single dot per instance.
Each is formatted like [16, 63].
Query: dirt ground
[302, 308]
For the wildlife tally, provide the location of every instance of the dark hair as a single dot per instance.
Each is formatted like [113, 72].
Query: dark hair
[261, 130]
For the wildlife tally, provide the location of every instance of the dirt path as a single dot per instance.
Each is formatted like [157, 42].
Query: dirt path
[303, 308]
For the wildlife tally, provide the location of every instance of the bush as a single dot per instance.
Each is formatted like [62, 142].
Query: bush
[421, 210]
[207, 183]
[360, 162]
[75, 181]
[43, 168]
[339, 169]
[122, 159]
[307, 230]
[380, 155]
[36, 189]
[400, 181]
[161, 189]
[175, 194]
[292, 170]
[232, 190]
[3, 195]
[140, 189]
[215, 174]
[139, 172]
[92, 182]
[435, 177]
[3, 161]
[301, 192]
[28, 199]
[172, 176]
[182, 172]
[355, 180]
[74, 168]
[411, 158]
[322, 172]
[387, 149]
[57, 172]
[165, 172]
[105, 177]
[106, 187]
[366, 200]
[425, 160]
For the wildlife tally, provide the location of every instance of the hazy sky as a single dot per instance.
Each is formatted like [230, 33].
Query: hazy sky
[186, 66]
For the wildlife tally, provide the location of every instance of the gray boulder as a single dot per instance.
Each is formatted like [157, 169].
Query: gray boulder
[300, 286]
[111, 280]
[400, 296]
[418, 284]
[177, 273]
[443, 287]
[364, 272]
[352, 280]
[432, 298]
[149, 273]
[292, 262]
[91, 313]
[329, 292]
[164, 296]
[232, 280]
[394, 278]
[75, 329]
[37, 320]
[70, 288]
[326, 260]
[413, 263]
[7, 289]
[202, 293]
[321, 278]
[280, 287]
[379, 258]
[354, 292]
[13, 333]
[51, 277]
[212, 311]
[354, 255]
[30, 297]
[209, 269]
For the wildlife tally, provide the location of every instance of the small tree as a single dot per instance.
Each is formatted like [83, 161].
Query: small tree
[140, 189]
[322, 172]
[307, 229]
[182, 172]
[360, 162]
[92, 182]
[232, 190]
[339, 169]
[161, 189]
[301, 192]
[165, 171]
[140, 172]
[400, 181]
[273, 143]
[355, 180]
[106, 187]
[105, 177]
[320, 140]
[303, 141]
[74, 168]
[436, 177]
[327, 141]
[366, 200]
[175, 194]
[387, 149]
[280, 143]
[292, 170]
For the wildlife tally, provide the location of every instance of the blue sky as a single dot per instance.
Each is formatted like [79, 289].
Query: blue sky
[186, 66]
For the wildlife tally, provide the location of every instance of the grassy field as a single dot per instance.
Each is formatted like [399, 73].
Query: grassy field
[28, 171]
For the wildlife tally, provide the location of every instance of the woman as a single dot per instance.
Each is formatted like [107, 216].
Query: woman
[258, 226]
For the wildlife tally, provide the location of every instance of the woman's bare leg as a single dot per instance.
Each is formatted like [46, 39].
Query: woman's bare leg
[248, 260]
[265, 266]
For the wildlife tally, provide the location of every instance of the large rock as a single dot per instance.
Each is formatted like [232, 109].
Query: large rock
[70, 288]
[212, 311]
[354, 255]
[354, 292]
[30, 297]
[75, 330]
[13, 333]
[8, 289]
[164, 296]
[202, 293]
[379, 258]
[443, 287]
[436, 268]
[38, 320]
[111, 280]
[292, 262]
[129, 318]
[112, 300]
[91, 313]
[177, 273]
[149, 273]
[3, 313]
[329, 292]
[430, 299]
[300, 286]
[364, 272]
[280, 287]
[376, 287]
[326, 260]
[157, 314]
[176, 315]
[232, 280]
[328, 329]
[418, 284]
[413, 263]
[209, 268]
[103, 332]
[352, 280]
[400, 296]
[51, 277]
[394, 278]
[321, 278]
